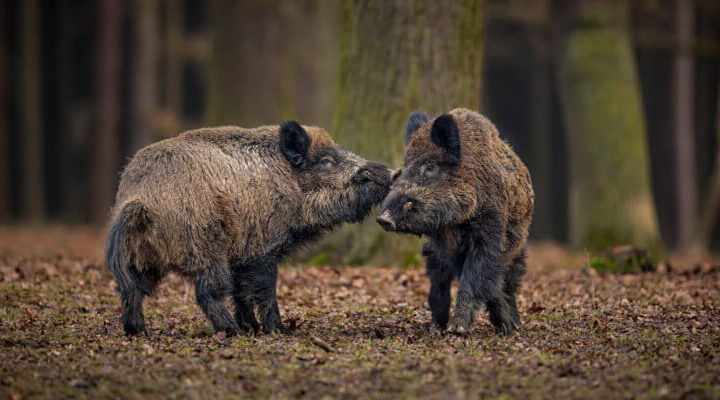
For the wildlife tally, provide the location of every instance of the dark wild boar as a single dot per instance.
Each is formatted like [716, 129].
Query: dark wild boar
[222, 206]
[465, 189]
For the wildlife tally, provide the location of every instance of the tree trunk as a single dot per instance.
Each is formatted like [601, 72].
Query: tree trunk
[610, 197]
[144, 76]
[32, 202]
[684, 130]
[711, 206]
[105, 149]
[172, 67]
[5, 196]
[543, 151]
[272, 61]
[396, 57]
[401, 56]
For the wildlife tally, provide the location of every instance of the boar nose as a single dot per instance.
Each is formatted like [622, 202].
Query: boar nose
[386, 221]
[373, 172]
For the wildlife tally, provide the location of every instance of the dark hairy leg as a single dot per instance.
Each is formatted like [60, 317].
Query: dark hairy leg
[245, 313]
[243, 298]
[441, 276]
[212, 285]
[132, 293]
[513, 278]
[262, 279]
[482, 279]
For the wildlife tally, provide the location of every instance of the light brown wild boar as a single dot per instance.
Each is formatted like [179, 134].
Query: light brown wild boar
[222, 206]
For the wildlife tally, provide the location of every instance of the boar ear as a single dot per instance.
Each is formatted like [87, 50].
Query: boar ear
[414, 122]
[294, 142]
[445, 134]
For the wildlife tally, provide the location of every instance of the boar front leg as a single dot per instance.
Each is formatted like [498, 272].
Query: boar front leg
[440, 276]
[243, 298]
[212, 285]
[482, 279]
[264, 278]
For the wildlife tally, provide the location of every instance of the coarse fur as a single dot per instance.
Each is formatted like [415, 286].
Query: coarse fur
[222, 206]
[465, 189]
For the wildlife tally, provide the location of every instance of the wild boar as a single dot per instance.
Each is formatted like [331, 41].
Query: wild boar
[222, 206]
[465, 189]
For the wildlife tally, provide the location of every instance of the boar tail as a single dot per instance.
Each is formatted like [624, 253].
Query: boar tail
[123, 261]
[129, 225]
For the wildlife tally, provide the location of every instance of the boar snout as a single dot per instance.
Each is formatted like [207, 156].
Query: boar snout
[373, 172]
[386, 221]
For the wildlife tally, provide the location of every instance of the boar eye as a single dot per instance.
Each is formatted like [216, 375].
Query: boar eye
[431, 170]
[327, 161]
[408, 206]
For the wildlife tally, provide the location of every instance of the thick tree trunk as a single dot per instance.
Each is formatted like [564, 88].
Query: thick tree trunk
[105, 149]
[684, 129]
[272, 61]
[144, 76]
[32, 202]
[5, 196]
[543, 151]
[396, 57]
[401, 56]
[610, 197]
[172, 65]
[711, 205]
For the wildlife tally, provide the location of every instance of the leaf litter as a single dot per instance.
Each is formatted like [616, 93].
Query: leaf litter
[354, 333]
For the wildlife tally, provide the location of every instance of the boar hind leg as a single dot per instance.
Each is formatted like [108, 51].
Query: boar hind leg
[439, 298]
[133, 287]
[513, 276]
[212, 285]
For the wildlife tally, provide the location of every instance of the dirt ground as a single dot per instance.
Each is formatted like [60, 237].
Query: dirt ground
[355, 333]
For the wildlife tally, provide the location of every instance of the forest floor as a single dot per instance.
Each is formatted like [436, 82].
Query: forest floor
[355, 333]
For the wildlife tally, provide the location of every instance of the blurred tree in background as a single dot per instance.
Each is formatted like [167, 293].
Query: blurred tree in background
[711, 205]
[5, 197]
[396, 57]
[286, 71]
[610, 197]
[106, 122]
[32, 205]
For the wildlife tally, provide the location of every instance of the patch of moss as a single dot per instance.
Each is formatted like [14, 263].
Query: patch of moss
[633, 264]
[410, 259]
[321, 258]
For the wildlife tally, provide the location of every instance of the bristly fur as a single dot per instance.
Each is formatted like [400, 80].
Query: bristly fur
[222, 206]
[475, 210]
[414, 122]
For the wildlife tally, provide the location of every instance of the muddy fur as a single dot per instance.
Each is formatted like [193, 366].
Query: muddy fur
[464, 189]
[222, 206]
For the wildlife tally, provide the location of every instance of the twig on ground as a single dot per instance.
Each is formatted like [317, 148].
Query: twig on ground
[321, 344]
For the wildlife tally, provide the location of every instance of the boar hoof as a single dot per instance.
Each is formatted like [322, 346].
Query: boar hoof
[230, 331]
[135, 325]
[435, 330]
[247, 329]
[277, 329]
[506, 329]
[458, 328]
